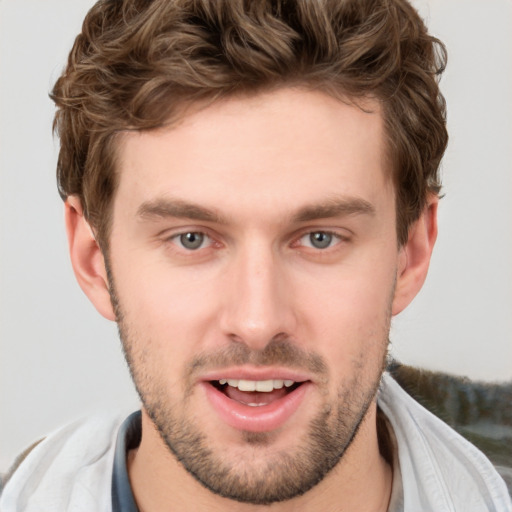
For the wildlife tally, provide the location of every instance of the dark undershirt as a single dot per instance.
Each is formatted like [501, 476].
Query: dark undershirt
[128, 438]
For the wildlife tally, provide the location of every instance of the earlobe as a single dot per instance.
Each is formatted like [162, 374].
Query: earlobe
[87, 259]
[414, 257]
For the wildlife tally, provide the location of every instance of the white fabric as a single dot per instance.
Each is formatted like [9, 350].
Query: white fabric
[71, 470]
[441, 471]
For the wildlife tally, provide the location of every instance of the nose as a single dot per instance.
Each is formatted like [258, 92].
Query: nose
[258, 299]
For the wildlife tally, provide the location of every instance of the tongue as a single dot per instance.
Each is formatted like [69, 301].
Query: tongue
[254, 397]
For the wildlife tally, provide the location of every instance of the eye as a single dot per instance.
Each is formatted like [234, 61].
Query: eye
[319, 239]
[192, 240]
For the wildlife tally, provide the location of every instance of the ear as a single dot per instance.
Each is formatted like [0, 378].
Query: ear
[414, 256]
[87, 259]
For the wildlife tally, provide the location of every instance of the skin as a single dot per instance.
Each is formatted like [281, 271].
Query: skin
[269, 170]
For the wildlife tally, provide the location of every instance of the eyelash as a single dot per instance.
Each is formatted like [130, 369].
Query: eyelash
[334, 236]
[175, 239]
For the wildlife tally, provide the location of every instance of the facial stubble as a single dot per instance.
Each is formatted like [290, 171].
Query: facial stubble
[282, 475]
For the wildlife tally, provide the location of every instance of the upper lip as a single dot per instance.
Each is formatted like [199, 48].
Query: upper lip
[263, 373]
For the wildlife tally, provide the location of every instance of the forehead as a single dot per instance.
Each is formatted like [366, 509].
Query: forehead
[276, 150]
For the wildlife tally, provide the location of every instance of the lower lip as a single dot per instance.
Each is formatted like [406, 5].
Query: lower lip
[264, 418]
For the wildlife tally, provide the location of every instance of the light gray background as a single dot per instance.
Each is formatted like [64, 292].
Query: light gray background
[59, 359]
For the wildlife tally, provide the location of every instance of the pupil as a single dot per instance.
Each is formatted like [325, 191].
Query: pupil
[320, 239]
[192, 240]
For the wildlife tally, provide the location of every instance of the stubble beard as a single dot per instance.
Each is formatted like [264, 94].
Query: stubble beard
[280, 476]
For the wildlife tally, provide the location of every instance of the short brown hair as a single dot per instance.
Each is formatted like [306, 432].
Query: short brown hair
[137, 61]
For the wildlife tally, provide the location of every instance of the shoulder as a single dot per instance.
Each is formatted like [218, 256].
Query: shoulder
[4, 478]
[439, 467]
[71, 465]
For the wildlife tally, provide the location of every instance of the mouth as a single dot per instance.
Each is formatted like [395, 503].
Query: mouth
[255, 393]
[256, 405]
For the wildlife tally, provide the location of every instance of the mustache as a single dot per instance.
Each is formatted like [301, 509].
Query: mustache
[278, 351]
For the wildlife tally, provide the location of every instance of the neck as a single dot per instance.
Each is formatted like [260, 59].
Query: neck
[361, 480]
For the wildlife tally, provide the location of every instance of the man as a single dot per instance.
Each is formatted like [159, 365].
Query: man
[251, 194]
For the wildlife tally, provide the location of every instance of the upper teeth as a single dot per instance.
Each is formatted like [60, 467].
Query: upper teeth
[264, 386]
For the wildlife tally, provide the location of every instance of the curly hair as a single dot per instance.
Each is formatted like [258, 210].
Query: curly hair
[137, 62]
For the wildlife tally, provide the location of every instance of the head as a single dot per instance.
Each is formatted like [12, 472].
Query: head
[260, 181]
[138, 65]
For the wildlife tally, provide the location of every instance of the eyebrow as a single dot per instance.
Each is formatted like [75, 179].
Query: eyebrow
[335, 207]
[177, 208]
[163, 208]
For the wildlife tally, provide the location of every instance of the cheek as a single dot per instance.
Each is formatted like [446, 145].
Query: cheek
[348, 316]
[172, 311]
[350, 296]
[152, 289]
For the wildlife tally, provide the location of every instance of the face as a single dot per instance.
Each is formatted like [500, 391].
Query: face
[253, 258]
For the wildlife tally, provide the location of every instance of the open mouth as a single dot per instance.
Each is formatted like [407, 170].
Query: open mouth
[261, 404]
[255, 393]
